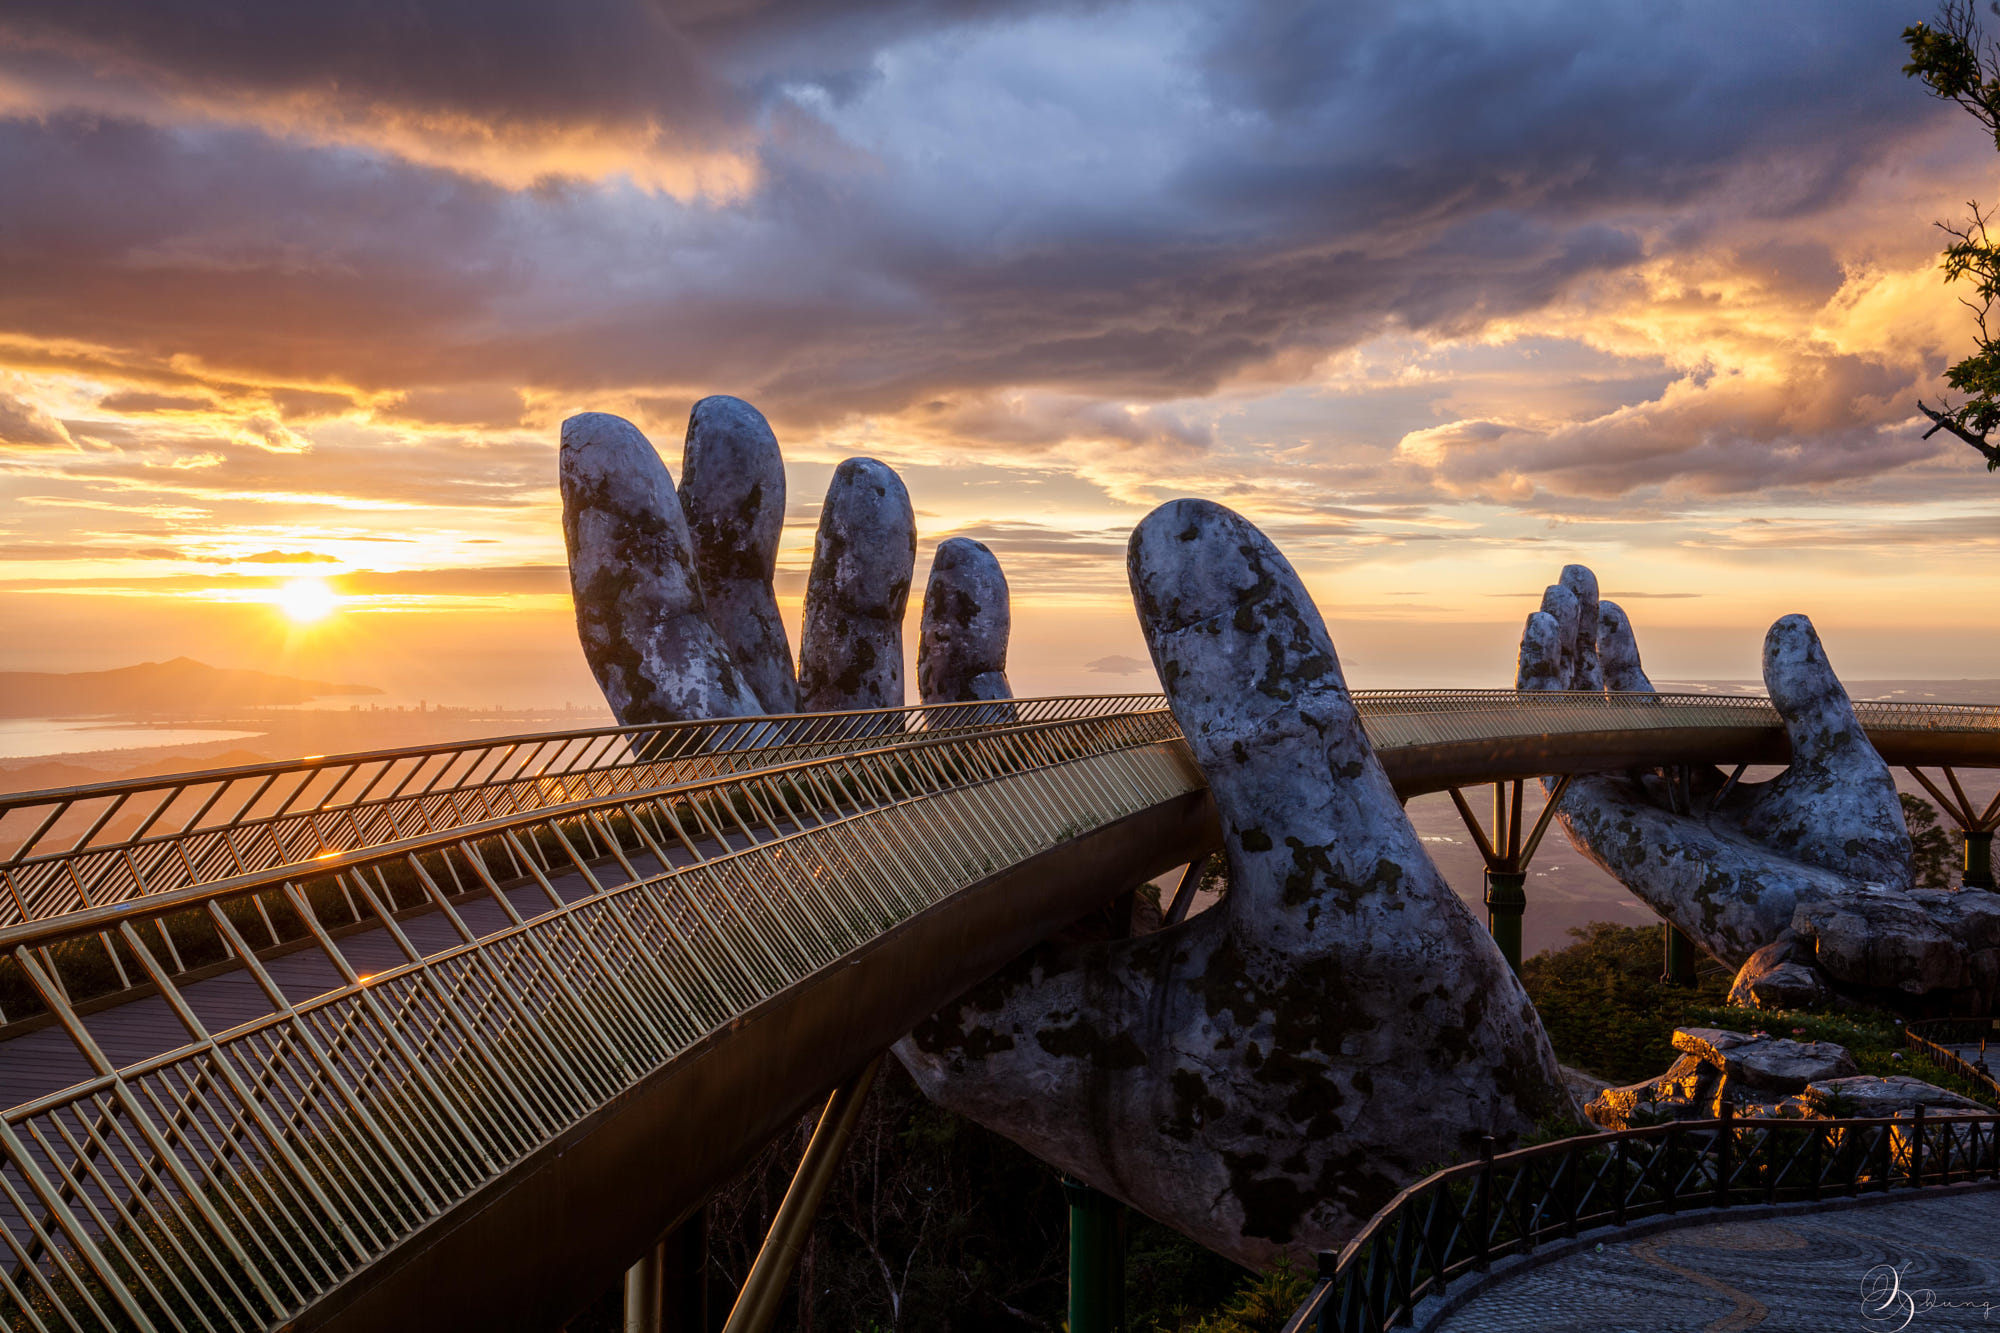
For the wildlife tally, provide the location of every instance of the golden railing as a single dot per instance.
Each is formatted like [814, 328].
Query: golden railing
[230, 1181]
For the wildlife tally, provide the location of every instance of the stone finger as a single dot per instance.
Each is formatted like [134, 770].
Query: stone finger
[962, 639]
[1618, 651]
[1835, 805]
[640, 613]
[733, 494]
[1587, 672]
[851, 642]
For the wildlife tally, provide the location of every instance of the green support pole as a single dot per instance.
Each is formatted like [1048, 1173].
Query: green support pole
[1680, 960]
[1096, 1260]
[1506, 901]
[1979, 859]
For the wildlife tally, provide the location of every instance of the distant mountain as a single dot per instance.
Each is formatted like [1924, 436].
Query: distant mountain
[182, 685]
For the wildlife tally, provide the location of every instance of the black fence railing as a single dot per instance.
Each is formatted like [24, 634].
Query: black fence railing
[1948, 1042]
[1464, 1218]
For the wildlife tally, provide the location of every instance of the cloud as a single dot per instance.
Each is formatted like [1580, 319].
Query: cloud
[136, 402]
[1391, 281]
[671, 97]
[25, 426]
[492, 406]
[1808, 385]
[1105, 208]
[284, 558]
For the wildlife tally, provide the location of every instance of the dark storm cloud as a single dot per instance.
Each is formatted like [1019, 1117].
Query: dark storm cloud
[1272, 182]
[696, 71]
[1399, 111]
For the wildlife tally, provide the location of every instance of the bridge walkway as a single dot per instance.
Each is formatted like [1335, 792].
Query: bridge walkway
[1808, 1273]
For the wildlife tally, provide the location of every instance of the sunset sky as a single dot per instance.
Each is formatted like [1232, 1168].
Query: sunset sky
[1442, 296]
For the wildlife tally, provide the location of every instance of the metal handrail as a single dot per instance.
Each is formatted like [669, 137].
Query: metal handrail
[101, 846]
[1464, 1218]
[233, 1180]
[83, 847]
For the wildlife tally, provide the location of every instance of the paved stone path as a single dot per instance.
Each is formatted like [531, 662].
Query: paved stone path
[1783, 1275]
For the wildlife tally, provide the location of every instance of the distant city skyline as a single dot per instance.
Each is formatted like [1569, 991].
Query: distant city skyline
[293, 302]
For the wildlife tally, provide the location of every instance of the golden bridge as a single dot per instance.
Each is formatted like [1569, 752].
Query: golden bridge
[449, 1037]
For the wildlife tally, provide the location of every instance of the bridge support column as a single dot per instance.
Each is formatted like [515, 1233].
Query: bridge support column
[1507, 854]
[1677, 968]
[764, 1289]
[1096, 1260]
[667, 1291]
[1976, 828]
[1506, 903]
[1979, 858]
[642, 1292]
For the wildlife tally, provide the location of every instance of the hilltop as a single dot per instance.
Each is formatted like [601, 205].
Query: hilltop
[180, 686]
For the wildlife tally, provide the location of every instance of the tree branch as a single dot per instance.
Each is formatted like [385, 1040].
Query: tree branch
[1991, 453]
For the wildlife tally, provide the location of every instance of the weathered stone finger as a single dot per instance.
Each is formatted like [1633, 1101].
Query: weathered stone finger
[962, 641]
[1618, 651]
[1306, 805]
[1836, 805]
[639, 607]
[733, 493]
[1540, 665]
[1559, 602]
[1586, 671]
[851, 642]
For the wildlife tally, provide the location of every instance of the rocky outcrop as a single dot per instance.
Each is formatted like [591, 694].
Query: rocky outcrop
[733, 494]
[640, 613]
[1754, 1074]
[1863, 1096]
[851, 642]
[1779, 976]
[1264, 1075]
[1803, 882]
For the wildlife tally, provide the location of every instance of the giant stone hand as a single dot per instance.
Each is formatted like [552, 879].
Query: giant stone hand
[1266, 1074]
[1802, 882]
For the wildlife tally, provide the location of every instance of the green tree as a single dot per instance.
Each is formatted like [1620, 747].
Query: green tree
[1930, 845]
[1958, 64]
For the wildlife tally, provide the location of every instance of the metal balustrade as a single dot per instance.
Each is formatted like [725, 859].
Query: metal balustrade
[231, 1180]
[89, 846]
[1461, 1220]
[107, 843]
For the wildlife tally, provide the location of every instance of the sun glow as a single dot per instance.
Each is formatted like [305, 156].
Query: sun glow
[306, 600]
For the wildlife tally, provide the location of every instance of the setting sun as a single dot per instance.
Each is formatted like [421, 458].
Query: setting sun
[307, 600]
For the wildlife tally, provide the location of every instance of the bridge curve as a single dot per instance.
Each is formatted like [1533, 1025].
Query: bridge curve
[390, 1047]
